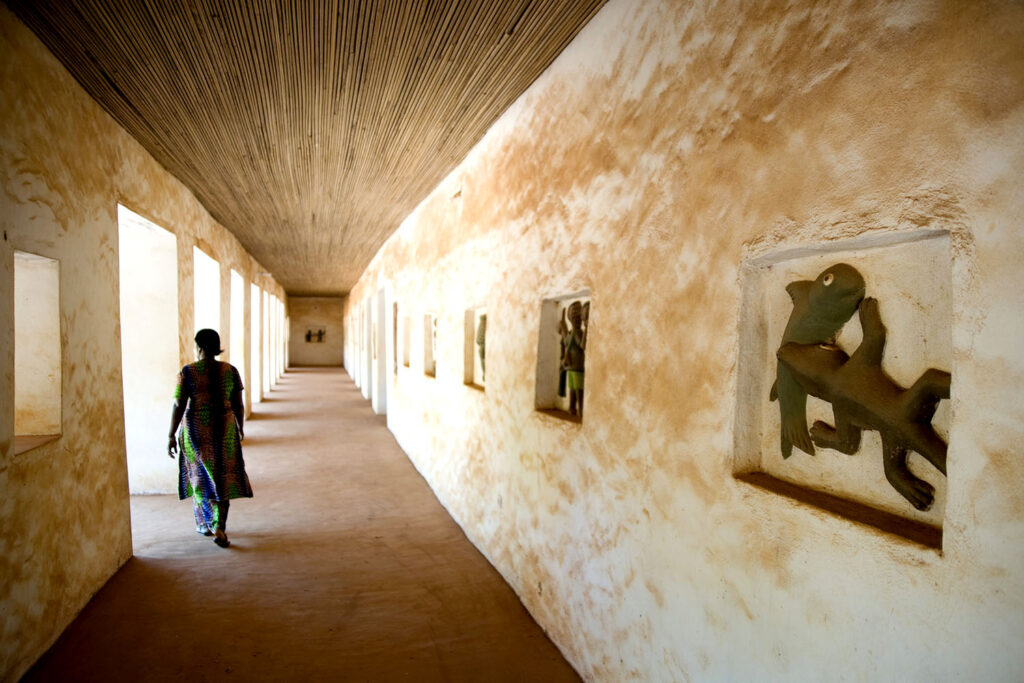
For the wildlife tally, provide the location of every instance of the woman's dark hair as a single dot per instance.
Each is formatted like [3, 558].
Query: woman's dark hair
[208, 340]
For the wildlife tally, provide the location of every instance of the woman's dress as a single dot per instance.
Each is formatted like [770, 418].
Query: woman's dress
[210, 465]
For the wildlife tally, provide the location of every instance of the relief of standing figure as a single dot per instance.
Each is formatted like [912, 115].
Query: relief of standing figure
[574, 346]
[481, 342]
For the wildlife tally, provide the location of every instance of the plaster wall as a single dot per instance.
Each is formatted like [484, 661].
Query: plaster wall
[309, 313]
[667, 146]
[64, 167]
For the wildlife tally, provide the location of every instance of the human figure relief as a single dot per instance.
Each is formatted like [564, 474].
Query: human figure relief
[574, 346]
[481, 342]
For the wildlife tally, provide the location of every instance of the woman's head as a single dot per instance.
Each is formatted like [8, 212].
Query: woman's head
[208, 341]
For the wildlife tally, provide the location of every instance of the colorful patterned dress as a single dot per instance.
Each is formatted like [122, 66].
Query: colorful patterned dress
[210, 465]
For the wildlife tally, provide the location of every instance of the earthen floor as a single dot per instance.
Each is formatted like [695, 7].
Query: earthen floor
[344, 567]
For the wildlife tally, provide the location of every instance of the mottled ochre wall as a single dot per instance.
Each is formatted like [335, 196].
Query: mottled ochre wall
[313, 313]
[64, 166]
[668, 145]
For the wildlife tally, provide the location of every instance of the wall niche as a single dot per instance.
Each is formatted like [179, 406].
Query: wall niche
[561, 350]
[846, 352]
[430, 344]
[38, 368]
[475, 348]
[406, 341]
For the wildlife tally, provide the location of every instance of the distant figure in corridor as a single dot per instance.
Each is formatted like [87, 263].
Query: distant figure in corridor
[209, 446]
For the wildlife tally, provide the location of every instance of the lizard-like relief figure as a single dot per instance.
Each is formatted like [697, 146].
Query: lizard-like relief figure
[820, 309]
[864, 397]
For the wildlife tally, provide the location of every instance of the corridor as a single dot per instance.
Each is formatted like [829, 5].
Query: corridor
[344, 567]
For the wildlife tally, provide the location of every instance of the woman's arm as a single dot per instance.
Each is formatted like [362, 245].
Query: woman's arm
[176, 414]
[238, 408]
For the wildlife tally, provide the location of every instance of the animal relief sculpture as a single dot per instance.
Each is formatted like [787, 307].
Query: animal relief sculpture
[862, 395]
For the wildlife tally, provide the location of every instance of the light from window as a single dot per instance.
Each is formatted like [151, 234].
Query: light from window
[37, 350]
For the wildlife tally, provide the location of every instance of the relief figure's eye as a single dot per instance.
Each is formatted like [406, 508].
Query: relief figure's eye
[828, 279]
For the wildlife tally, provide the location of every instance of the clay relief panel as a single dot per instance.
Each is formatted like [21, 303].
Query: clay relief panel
[475, 348]
[561, 355]
[845, 375]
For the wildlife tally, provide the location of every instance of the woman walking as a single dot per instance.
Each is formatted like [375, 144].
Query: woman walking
[209, 446]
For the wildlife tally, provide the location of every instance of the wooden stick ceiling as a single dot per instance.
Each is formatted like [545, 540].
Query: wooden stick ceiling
[309, 128]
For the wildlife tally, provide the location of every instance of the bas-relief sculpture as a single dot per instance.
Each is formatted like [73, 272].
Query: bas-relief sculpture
[574, 346]
[862, 395]
[481, 344]
[430, 347]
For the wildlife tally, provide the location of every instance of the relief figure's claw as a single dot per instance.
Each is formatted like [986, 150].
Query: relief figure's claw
[918, 492]
[822, 433]
[844, 437]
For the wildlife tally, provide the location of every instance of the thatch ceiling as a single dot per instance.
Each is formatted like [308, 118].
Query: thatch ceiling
[309, 129]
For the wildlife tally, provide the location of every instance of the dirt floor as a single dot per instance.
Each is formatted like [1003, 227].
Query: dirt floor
[344, 567]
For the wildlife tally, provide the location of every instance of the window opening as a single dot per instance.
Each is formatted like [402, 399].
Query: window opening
[207, 291]
[148, 266]
[37, 351]
[236, 355]
[255, 384]
[265, 315]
